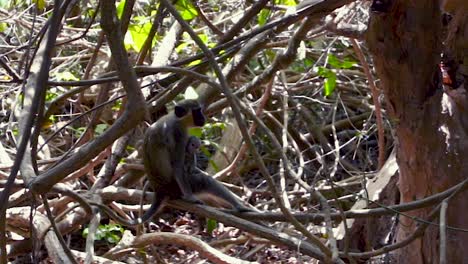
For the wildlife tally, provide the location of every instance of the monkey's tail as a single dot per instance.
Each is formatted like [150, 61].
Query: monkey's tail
[155, 207]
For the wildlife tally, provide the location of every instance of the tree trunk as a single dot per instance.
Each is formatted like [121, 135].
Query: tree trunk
[431, 122]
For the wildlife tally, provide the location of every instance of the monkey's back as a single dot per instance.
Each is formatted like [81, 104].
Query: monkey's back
[157, 152]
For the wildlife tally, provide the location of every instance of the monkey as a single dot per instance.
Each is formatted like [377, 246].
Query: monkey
[203, 186]
[168, 158]
[163, 154]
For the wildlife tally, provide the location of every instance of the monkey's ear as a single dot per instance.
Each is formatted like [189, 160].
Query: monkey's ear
[180, 111]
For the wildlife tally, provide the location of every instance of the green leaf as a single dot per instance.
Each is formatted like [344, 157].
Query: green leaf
[348, 63]
[139, 33]
[78, 131]
[112, 238]
[330, 79]
[51, 95]
[340, 64]
[211, 225]
[186, 9]
[263, 16]
[66, 76]
[210, 126]
[333, 61]
[195, 62]
[330, 84]
[181, 47]
[206, 152]
[324, 72]
[204, 38]
[112, 233]
[195, 131]
[286, 2]
[114, 227]
[308, 62]
[40, 4]
[100, 129]
[117, 105]
[120, 7]
[85, 232]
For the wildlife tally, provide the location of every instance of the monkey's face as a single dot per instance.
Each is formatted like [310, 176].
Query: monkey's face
[198, 117]
[191, 112]
[193, 145]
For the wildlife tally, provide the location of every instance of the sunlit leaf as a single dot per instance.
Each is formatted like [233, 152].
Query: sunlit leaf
[214, 125]
[99, 130]
[203, 37]
[263, 16]
[286, 2]
[348, 63]
[139, 35]
[40, 4]
[340, 64]
[181, 47]
[3, 26]
[324, 72]
[333, 61]
[195, 62]
[120, 7]
[329, 84]
[329, 81]
[66, 76]
[50, 95]
[186, 9]
[112, 233]
[195, 131]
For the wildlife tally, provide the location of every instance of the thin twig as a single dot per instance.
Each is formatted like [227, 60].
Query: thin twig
[375, 98]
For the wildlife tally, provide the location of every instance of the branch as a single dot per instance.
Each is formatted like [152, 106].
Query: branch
[161, 238]
[34, 95]
[134, 112]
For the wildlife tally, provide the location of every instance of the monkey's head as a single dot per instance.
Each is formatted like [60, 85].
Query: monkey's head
[191, 112]
[193, 145]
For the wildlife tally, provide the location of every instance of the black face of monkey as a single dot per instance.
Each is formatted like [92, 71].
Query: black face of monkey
[198, 117]
[184, 107]
[180, 111]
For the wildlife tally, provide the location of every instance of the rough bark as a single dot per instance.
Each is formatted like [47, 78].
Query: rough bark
[431, 123]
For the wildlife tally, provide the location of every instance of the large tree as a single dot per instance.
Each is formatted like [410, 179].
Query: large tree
[407, 39]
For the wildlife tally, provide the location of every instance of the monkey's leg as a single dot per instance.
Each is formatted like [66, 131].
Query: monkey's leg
[155, 208]
[206, 184]
[183, 179]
